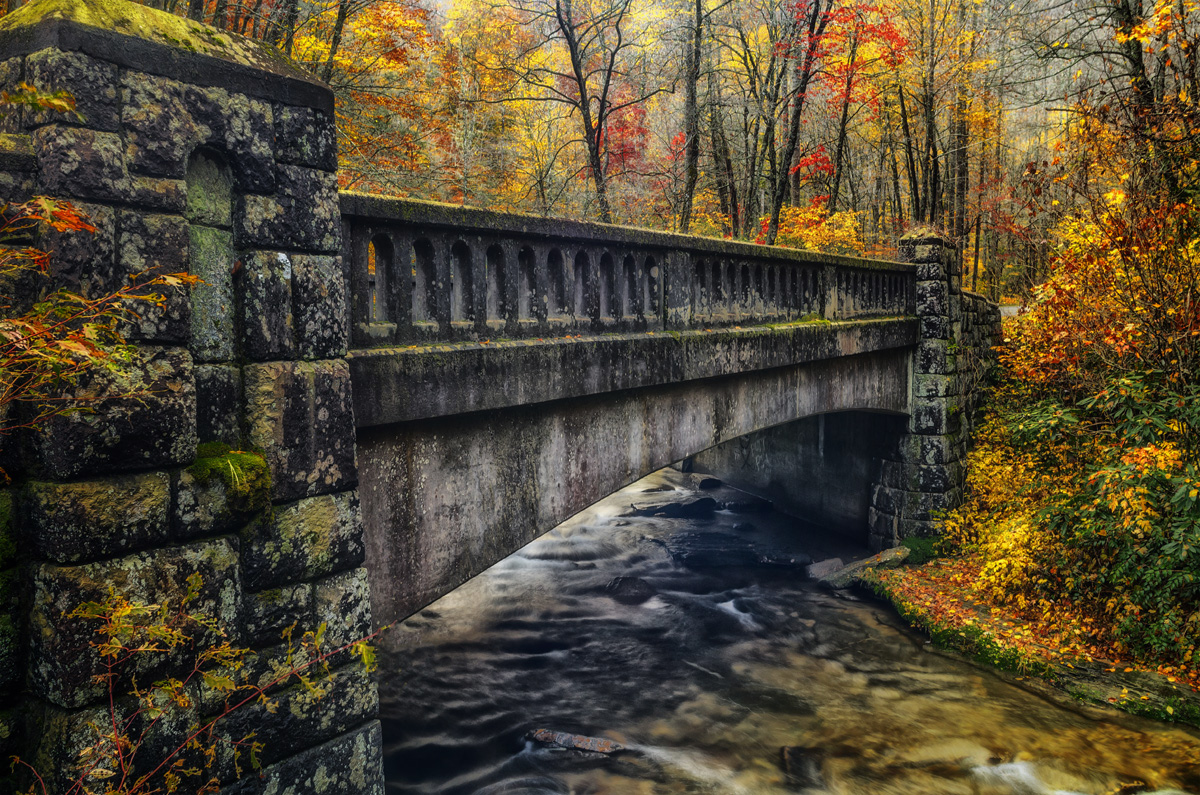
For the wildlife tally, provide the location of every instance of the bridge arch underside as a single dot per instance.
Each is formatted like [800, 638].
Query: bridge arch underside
[445, 498]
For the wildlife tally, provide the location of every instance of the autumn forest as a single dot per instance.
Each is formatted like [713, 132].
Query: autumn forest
[826, 125]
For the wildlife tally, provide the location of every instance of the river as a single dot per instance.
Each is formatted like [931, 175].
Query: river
[709, 657]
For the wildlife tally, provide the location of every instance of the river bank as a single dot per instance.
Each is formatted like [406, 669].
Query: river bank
[936, 597]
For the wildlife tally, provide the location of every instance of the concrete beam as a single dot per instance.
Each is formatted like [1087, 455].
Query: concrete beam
[394, 385]
[443, 499]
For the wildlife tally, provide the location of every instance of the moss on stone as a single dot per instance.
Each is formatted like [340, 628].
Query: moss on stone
[131, 19]
[245, 474]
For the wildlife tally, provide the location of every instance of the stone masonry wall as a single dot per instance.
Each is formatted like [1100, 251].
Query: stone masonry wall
[958, 331]
[189, 157]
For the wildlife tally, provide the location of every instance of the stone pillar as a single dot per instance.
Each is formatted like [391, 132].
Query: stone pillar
[926, 477]
[204, 152]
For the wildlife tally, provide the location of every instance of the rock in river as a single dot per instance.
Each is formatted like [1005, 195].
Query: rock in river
[575, 742]
[629, 590]
[694, 508]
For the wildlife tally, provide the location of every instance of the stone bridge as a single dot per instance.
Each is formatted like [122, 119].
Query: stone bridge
[430, 387]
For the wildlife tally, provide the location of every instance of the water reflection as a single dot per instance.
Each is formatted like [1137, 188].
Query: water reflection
[699, 648]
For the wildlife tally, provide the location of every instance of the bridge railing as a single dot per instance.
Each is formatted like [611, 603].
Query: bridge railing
[421, 271]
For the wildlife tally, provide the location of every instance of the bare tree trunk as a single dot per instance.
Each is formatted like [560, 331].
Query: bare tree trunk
[816, 24]
[841, 136]
[691, 117]
[338, 26]
[918, 208]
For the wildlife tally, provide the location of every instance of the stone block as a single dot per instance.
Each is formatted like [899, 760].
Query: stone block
[240, 126]
[12, 71]
[266, 278]
[219, 403]
[304, 213]
[928, 450]
[92, 83]
[933, 298]
[211, 257]
[892, 474]
[321, 314]
[882, 526]
[301, 719]
[266, 614]
[8, 538]
[159, 129]
[11, 589]
[918, 528]
[931, 385]
[934, 416]
[301, 416]
[343, 603]
[12, 731]
[64, 662]
[12, 668]
[166, 120]
[141, 417]
[306, 539]
[85, 261]
[347, 765]
[78, 163]
[63, 735]
[934, 479]
[935, 357]
[17, 186]
[150, 244]
[305, 137]
[935, 327]
[93, 519]
[157, 194]
[931, 269]
[205, 509]
[930, 506]
[887, 500]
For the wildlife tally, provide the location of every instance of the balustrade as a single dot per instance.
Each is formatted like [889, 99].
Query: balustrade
[419, 271]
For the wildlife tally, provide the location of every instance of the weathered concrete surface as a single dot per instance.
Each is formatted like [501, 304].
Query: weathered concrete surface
[403, 384]
[444, 498]
[821, 468]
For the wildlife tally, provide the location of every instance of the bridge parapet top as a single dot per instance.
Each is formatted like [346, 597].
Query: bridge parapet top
[423, 271]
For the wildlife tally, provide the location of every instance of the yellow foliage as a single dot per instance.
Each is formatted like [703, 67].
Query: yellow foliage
[808, 228]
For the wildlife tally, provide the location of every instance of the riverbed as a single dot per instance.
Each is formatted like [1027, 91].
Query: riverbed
[698, 645]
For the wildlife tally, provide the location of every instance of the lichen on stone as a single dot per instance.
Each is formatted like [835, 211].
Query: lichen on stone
[244, 473]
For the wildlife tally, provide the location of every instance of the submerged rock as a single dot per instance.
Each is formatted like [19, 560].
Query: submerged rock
[711, 550]
[744, 527]
[574, 742]
[789, 560]
[748, 504]
[707, 484]
[694, 508]
[630, 590]
[849, 574]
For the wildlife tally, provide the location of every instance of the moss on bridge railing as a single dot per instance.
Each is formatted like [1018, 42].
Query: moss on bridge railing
[421, 271]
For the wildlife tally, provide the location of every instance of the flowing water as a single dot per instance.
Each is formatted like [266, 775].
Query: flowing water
[709, 657]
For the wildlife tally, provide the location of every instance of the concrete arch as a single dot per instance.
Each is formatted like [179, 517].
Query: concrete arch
[444, 498]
